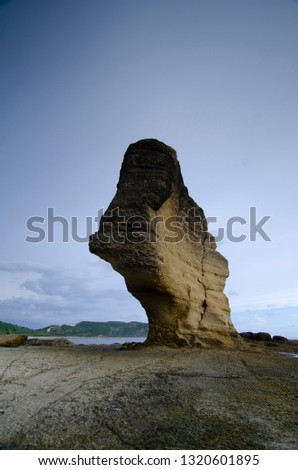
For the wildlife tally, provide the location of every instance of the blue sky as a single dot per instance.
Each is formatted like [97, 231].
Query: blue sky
[82, 79]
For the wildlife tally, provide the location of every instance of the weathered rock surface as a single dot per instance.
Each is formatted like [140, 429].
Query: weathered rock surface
[154, 398]
[155, 235]
[264, 337]
[280, 339]
[12, 341]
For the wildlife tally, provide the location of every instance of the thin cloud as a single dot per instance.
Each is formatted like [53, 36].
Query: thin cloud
[233, 292]
[56, 296]
[25, 268]
[44, 311]
[276, 321]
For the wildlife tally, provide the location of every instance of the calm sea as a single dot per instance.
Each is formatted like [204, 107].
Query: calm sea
[104, 340]
[95, 340]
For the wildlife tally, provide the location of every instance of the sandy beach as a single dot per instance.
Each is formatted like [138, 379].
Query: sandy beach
[84, 397]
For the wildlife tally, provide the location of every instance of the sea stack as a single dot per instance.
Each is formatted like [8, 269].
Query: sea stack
[156, 236]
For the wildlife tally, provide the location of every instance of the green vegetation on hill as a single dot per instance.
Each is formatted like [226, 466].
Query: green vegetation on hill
[9, 328]
[84, 328]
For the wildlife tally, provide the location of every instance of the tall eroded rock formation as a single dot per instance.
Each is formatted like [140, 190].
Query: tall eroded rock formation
[155, 235]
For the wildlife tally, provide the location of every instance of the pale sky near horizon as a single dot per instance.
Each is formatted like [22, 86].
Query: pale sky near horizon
[82, 79]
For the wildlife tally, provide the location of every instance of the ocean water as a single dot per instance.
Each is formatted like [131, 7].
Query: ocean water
[104, 340]
[95, 340]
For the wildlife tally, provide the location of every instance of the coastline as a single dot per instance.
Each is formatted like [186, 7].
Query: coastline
[89, 340]
[97, 397]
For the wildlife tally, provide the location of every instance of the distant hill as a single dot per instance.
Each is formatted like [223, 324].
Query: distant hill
[84, 328]
[9, 328]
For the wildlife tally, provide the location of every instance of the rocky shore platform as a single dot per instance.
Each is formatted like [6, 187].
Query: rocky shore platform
[64, 396]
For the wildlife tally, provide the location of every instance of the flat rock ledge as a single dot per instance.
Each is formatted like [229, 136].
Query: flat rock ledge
[66, 397]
